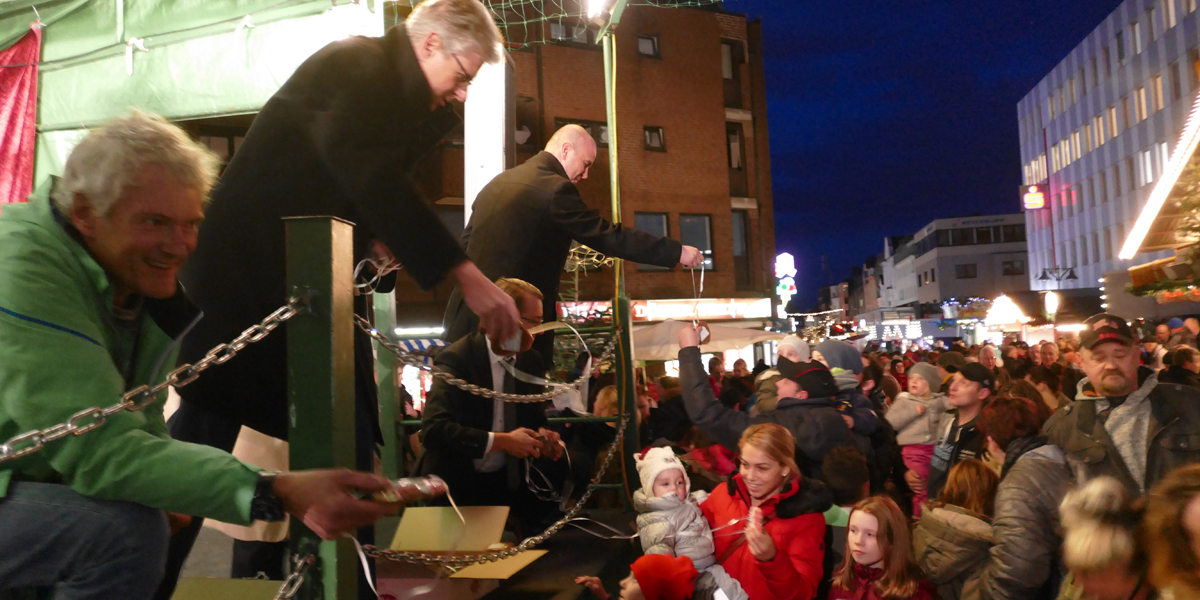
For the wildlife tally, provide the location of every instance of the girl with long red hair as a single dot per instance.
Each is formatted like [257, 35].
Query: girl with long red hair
[879, 562]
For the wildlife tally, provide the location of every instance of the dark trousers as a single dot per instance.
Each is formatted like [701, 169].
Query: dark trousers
[196, 425]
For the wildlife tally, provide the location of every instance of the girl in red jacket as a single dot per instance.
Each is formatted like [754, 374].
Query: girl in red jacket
[879, 562]
[767, 520]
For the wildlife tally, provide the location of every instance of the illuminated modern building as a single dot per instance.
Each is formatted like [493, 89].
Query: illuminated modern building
[1096, 135]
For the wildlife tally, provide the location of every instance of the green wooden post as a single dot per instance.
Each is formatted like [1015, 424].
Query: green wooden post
[621, 312]
[387, 373]
[321, 403]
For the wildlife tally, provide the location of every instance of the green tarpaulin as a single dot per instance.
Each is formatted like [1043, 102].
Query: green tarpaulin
[198, 60]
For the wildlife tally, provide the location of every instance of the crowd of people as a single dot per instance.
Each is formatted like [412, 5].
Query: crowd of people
[1062, 470]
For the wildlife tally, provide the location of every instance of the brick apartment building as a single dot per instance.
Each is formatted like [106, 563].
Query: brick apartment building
[694, 158]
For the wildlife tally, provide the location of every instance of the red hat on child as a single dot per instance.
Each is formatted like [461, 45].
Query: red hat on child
[663, 577]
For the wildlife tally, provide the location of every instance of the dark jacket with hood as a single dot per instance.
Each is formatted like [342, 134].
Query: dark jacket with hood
[795, 521]
[1025, 559]
[340, 137]
[814, 422]
[1173, 438]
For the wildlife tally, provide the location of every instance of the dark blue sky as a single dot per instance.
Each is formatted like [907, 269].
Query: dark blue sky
[887, 115]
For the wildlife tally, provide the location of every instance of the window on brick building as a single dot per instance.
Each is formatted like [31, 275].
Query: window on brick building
[696, 230]
[967, 271]
[648, 46]
[571, 33]
[597, 129]
[654, 138]
[735, 146]
[741, 250]
[653, 223]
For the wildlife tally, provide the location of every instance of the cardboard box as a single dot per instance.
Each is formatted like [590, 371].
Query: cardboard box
[438, 530]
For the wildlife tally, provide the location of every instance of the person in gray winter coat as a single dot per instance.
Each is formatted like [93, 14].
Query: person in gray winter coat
[669, 520]
[1025, 561]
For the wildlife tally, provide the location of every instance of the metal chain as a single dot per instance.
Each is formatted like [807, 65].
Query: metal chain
[416, 360]
[530, 542]
[292, 584]
[142, 396]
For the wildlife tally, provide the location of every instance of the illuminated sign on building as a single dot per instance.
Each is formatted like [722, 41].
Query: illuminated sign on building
[1033, 197]
[680, 310]
[785, 272]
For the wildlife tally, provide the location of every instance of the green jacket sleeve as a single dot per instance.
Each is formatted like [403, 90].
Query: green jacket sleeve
[54, 362]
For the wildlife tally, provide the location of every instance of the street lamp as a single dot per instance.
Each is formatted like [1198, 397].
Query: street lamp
[1058, 274]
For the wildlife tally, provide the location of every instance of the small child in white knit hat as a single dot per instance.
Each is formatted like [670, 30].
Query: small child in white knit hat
[670, 520]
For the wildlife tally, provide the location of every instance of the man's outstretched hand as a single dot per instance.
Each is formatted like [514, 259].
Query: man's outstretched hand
[498, 315]
[691, 257]
[324, 499]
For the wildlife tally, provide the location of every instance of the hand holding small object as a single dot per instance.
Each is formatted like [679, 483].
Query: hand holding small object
[761, 546]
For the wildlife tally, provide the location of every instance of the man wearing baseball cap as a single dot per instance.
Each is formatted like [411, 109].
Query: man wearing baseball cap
[1124, 423]
[958, 438]
[806, 407]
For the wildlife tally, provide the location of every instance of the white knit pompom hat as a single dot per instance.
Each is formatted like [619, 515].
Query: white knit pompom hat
[655, 461]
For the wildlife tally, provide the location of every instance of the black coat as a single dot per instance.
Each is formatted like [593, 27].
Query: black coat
[522, 225]
[455, 423]
[339, 138]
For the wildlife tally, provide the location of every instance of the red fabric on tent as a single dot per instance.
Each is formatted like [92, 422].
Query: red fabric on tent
[18, 116]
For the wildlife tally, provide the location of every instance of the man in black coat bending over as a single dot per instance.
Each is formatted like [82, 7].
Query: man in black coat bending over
[340, 137]
[523, 222]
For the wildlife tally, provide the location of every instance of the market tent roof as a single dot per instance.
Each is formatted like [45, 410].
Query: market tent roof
[1158, 225]
[1074, 306]
[661, 341]
[200, 58]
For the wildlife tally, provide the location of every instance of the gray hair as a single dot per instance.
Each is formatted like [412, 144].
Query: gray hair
[463, 25]
[111, 158]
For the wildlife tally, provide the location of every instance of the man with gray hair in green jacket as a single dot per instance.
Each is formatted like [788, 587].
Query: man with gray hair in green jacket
[89, 310]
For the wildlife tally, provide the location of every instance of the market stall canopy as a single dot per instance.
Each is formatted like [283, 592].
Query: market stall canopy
[661, 341]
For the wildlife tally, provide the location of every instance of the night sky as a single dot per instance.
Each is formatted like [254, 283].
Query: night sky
[887, 115]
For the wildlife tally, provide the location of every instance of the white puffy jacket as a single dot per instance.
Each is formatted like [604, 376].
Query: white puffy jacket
[675, 527]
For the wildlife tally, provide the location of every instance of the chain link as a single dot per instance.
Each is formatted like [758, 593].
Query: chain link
[413, 359]
[458, 562]
[292, 584]
[142, 396]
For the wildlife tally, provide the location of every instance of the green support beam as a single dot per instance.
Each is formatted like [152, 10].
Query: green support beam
[622, 317]
[387, 373]
[320, 343]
